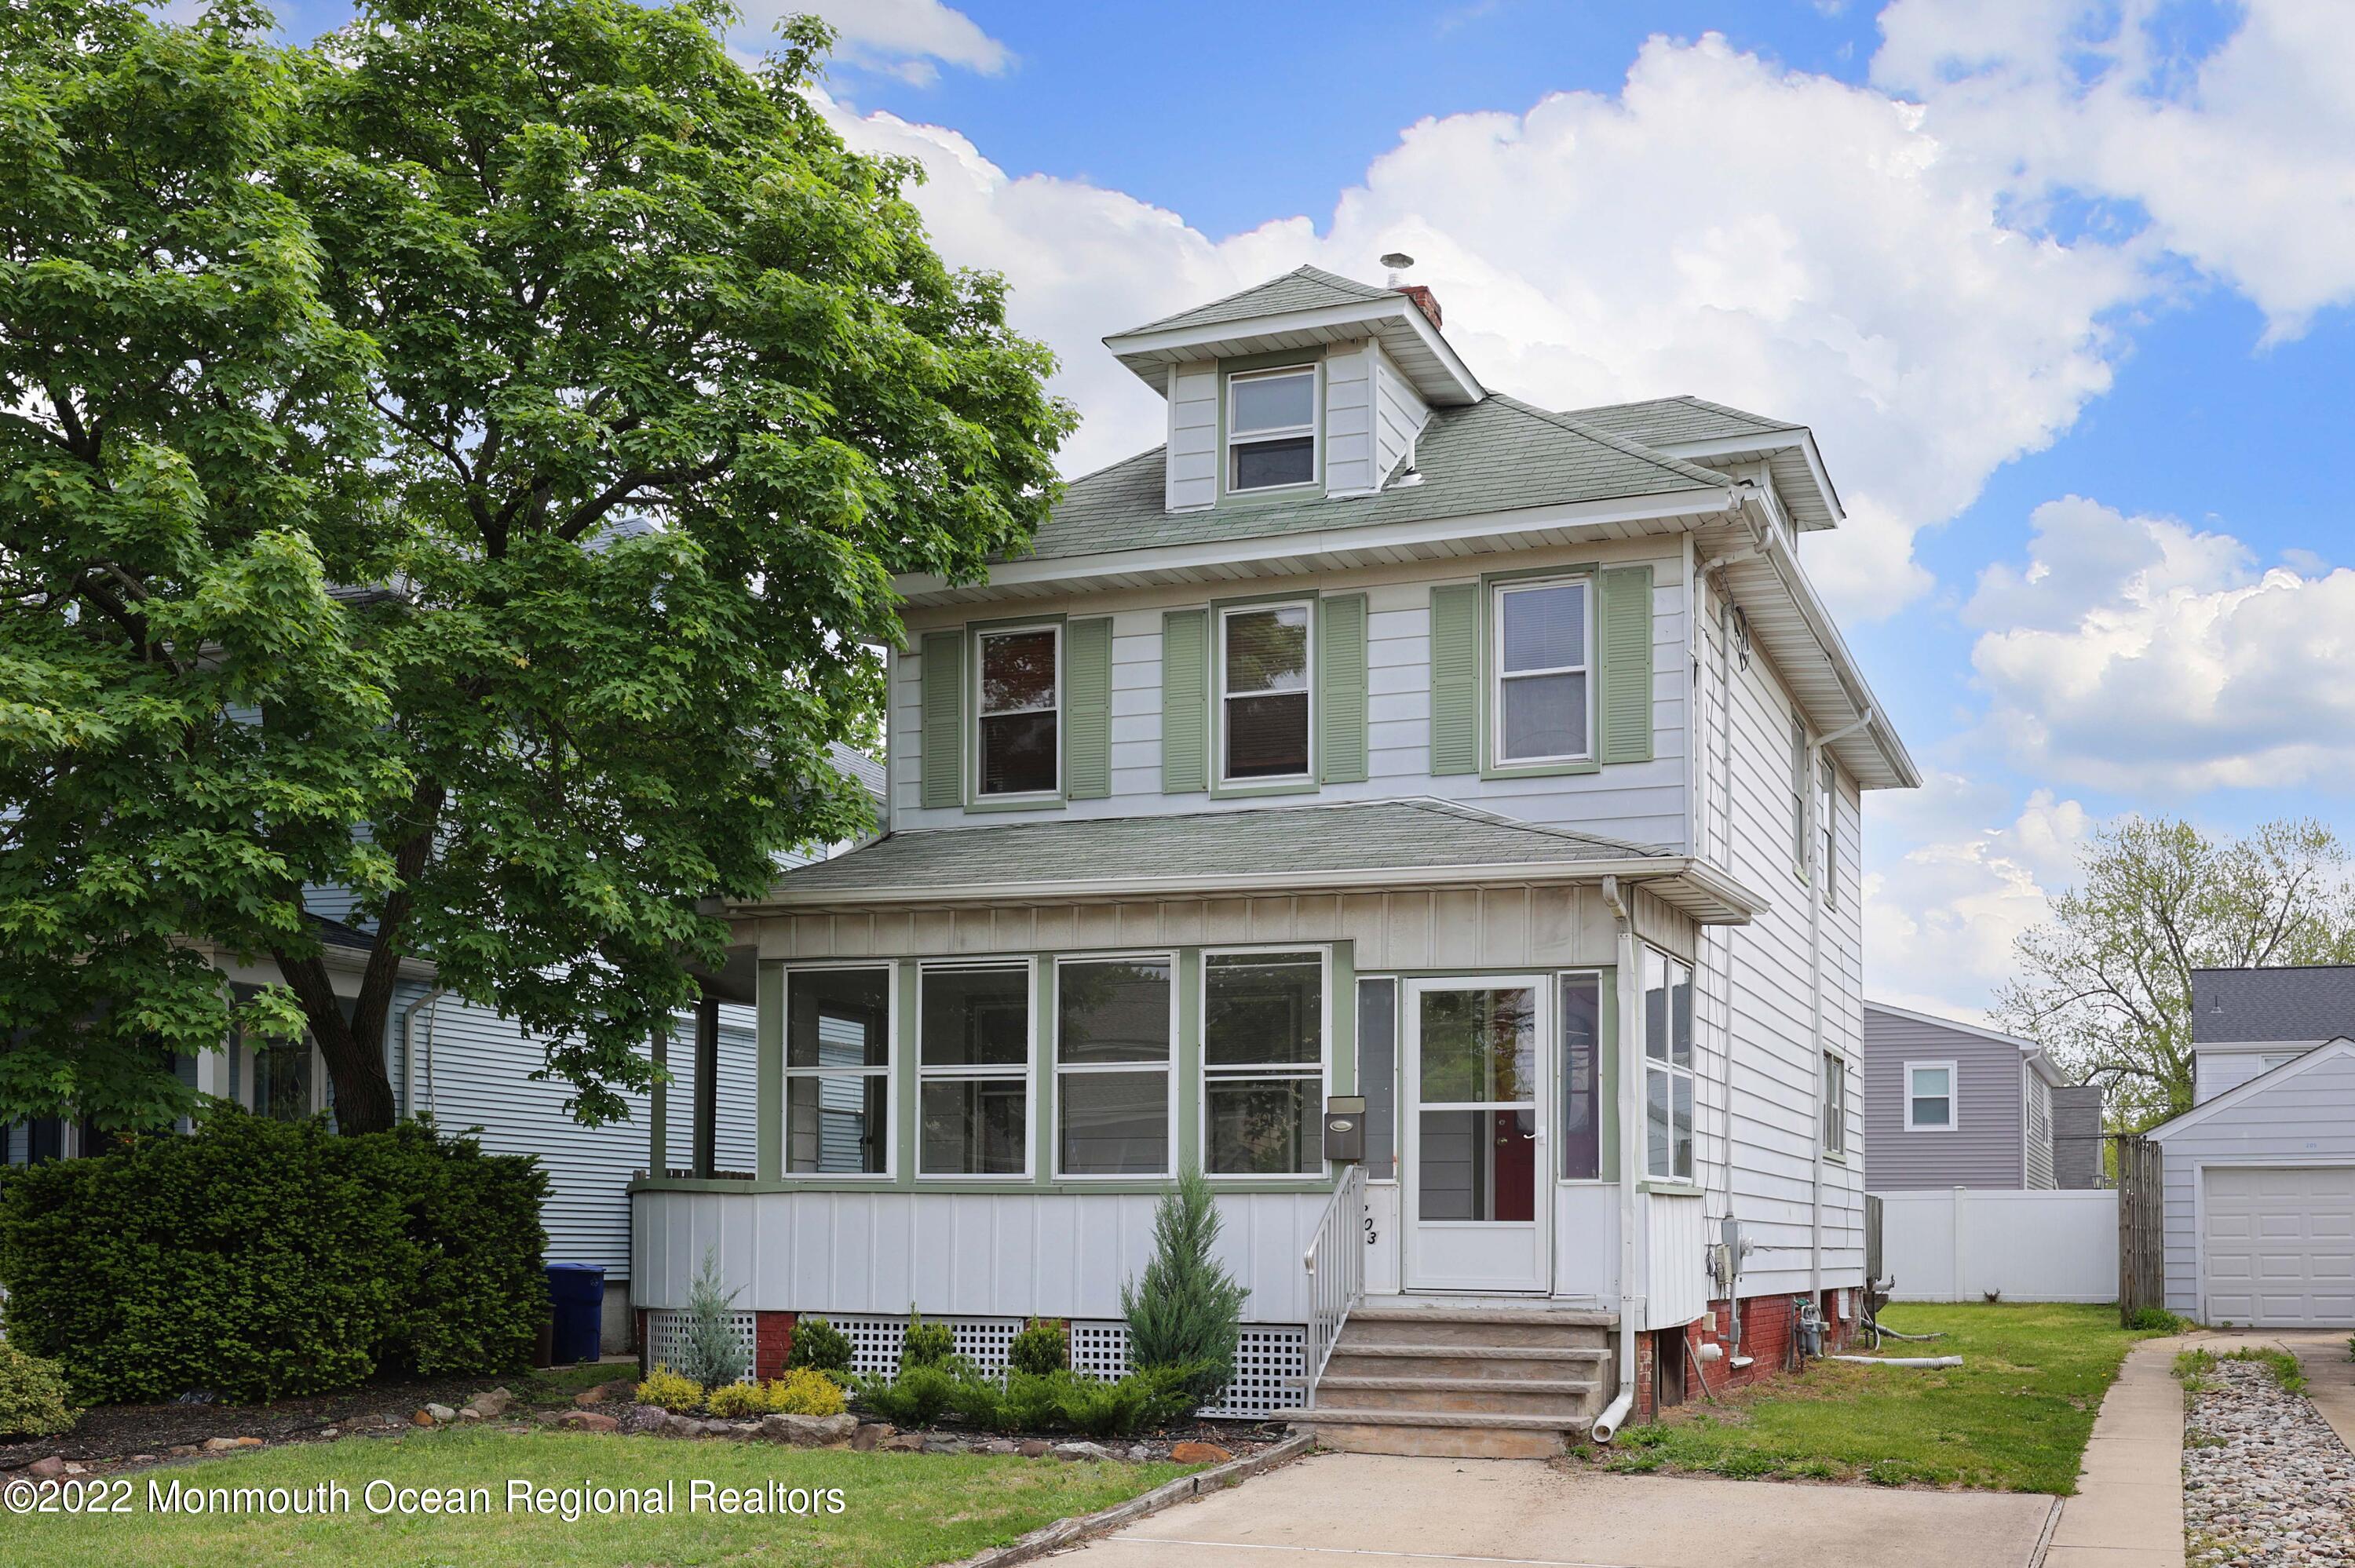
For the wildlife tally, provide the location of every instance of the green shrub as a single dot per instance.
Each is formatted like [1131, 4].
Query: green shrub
[1033, 1402]
[32, 1396]
[1040, 1349]
[1188, 1310]
[257, 1259]
[927, 1344]
[668, 1390]
[2156, 1320]
[734, 1401]
[713, 1355]
[806, 1390]
[915, 1398]
[818, 1343]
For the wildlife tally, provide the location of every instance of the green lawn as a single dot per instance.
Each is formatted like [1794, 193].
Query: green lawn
[897, 1509]
[2013, 1417]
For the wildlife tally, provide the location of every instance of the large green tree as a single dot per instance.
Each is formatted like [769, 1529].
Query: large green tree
[2105, 979]
[465, 462]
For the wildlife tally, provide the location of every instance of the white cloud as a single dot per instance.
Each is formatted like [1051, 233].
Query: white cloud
[1941, 917]
[1766, 239]
[2243, 158]
[2142, 655]
[911, 39]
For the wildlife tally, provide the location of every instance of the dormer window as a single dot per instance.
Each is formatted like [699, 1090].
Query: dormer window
[1272, 427]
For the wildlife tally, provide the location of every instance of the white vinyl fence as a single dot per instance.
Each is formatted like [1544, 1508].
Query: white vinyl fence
[1958, 1244]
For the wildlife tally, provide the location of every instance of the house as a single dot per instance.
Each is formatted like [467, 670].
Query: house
[1948, 1104]
[2260, 1173]
[470, 1069]
[1380, 738]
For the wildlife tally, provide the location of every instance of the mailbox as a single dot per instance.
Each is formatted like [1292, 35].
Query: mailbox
[1345, 1129]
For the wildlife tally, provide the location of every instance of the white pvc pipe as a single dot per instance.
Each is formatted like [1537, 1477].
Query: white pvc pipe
[1607, 1425]
[1901, 1361]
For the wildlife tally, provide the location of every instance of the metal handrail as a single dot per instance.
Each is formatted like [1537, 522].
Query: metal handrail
[1336, 1286]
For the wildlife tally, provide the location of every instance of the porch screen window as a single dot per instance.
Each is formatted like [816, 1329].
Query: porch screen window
[1263, 1063]
[1542, 665]
[1835, 1104]
[1272, 428]
[1581, 1035]
[1020, 694]
[1929, 1097]
[973, 1060]
[838, 1072]
[1667, 1067]
[1112, 1066]
[1264, 673]
[1378, 1074]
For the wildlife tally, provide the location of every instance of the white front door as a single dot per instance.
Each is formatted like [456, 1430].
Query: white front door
[1474, 1162]
[2278, 1246]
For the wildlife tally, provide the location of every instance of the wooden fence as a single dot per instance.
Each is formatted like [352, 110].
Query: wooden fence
[2142, 1212]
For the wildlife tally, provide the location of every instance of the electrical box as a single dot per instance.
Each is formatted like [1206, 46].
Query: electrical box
[1345, 1129]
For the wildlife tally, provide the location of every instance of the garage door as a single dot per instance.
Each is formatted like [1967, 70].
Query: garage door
[2277, 1245]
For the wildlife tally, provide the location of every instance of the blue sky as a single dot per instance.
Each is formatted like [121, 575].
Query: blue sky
[2063, 286]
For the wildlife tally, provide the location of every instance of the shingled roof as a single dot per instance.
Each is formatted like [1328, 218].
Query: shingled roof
[1302, 288]
[2287, 1003]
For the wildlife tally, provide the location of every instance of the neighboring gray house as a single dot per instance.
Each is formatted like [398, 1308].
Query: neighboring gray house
[1954, 1105]
[2261, 1172]
[2077, 1161]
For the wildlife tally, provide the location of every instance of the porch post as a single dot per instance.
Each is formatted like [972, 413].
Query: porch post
[658, 1110]
[769, 1074]
[707, 1085]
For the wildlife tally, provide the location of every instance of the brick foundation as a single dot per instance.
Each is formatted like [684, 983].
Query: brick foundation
[1767, 1325]
[773, 1342]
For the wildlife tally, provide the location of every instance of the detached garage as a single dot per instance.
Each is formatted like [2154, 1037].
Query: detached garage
[2261, 1198]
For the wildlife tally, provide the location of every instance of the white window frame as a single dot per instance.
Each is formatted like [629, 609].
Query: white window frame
[1605, 1047]
[888, 1072]
[1834, 1131]
[1205, 1074]
[1498, 677]
[1665, 1066]
[980, 636]
[1826, 834]
[1802, 801]
[1313, 429]
[1168, 1067]
[1953, 1096]
[1228, 694]
[989, 1072]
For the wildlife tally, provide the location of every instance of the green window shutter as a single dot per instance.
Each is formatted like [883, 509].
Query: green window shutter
[943, 674]
[1456, 678]
[1341, 687]
[1185, 702]
[1087, 696]
[1623, 639]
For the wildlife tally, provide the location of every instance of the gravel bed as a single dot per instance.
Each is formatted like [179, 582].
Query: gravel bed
[2266, 1483]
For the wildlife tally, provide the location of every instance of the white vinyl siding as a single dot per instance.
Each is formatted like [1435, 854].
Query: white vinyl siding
[1193, 460]
[1350, 446]
[1399, 415]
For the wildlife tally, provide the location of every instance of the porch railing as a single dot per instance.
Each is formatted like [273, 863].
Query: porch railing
[1335, 1262]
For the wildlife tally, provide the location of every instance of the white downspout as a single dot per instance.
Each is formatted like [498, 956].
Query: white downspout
[1725, 803]
[432, 1005]
[1814, 859]
[1631, 1068]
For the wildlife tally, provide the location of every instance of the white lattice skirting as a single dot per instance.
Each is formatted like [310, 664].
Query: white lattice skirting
[666, 1338]
[1270, 1360]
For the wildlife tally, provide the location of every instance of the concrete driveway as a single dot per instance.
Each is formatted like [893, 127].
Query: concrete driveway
[1368, 1510]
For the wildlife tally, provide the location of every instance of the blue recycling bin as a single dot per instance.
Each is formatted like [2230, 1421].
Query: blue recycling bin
[576, 1291]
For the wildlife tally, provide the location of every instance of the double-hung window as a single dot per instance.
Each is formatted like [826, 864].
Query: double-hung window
[1112, 1028]
[1543, 656]
[973, 1060]
[1930, 1096]
[838, 1072]
[1263, 1063]
[1272, 427]
[1021, 693]
[1835, 1104]
[1801, 789]
[1263, 663]
[1667, 1067]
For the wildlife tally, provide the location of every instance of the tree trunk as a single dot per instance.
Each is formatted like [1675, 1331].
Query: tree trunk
[363, 1089]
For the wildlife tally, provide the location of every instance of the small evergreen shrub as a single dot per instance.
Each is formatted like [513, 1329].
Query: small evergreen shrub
[1040, 1349]
[818, 1343]
[805, 1390]
[667, 1388]
[927, 1344]
[2156, 1320]
[915, 1398]
[714, 1354]
[734, 1401]
[257, 1259]
[32, 1396]
[1186, 1312]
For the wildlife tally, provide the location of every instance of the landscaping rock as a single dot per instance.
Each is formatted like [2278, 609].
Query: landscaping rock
[331, 1434]
[946, 1446]
[810, 1431]
[602, 1393]
[998, 1446]
[1082, 1451]
[2266, 1483]
[1190, 1453]
[903, 1443]
[440, 1413]
[141, 1459]
[181, 1450]
[422, 1418]
[74, 1470]
[1034, 1447]
[490, 1405]
[470, 1414]
[870, 1434]
[588, 1421]
[672, 1426]
[46, 1470]
[643, 1418]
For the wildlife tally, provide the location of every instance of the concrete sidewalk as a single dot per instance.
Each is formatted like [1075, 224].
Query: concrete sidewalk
[2128, 1510]
[1362, 1511]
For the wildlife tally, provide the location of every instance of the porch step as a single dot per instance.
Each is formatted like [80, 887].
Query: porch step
[1574, 1400]
[1481, 1435]
[1562, 1317]
[1515, 1362]
[1471, 1379]
[1488, 1330]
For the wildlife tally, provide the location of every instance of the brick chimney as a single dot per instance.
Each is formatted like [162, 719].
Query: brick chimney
[1425, 300]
